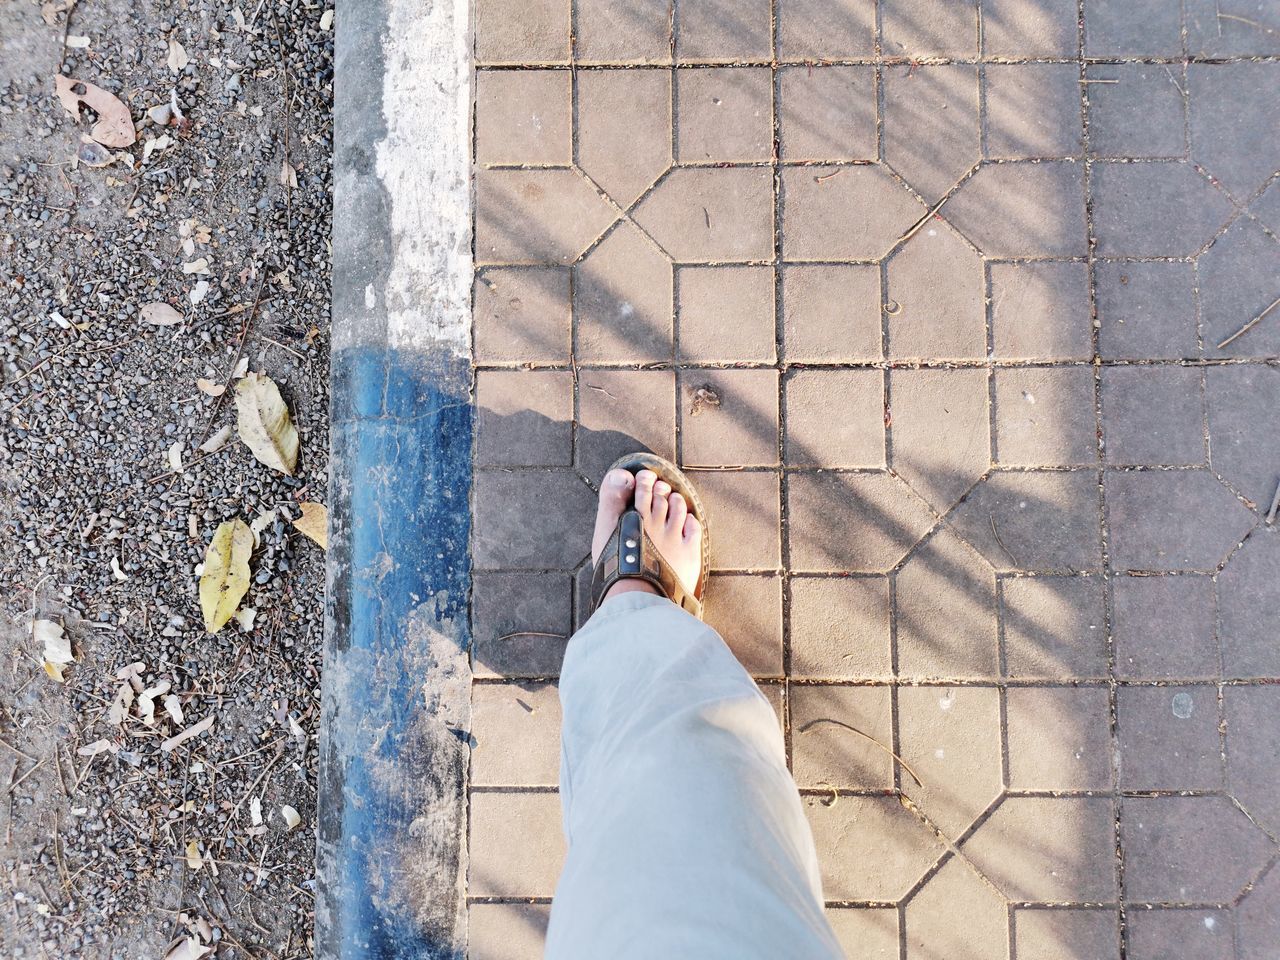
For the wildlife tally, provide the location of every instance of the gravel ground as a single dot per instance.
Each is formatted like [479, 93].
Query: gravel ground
[96, 857]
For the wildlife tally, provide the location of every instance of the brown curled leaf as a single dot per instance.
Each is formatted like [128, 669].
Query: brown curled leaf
[114, 127]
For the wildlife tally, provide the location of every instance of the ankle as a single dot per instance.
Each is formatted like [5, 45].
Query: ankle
[631, 585]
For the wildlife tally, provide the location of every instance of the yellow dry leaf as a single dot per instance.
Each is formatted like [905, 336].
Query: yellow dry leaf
[264, 425]
[226, 573]
[194, 860]
[314, 523]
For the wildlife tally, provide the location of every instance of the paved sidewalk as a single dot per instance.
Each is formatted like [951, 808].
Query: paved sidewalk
[943, 301]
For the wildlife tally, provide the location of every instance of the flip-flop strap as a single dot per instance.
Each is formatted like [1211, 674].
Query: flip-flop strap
[631, 555]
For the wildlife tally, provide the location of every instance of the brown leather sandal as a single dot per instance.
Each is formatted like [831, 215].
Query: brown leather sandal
[631, 555]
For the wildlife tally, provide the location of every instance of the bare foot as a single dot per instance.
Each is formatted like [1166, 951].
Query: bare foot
[665, 518]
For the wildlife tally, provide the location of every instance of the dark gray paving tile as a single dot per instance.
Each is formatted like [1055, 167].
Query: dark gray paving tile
[1164, 627]
[621, 411]
[534, 518]
[840, 628]
[1247, 593]
[1253, 750]
[1033, 110]
[521, 314]
[945, 612]
[1059, 738]
[835, 418]
[726, 314]
[1234, 111]
[825, 29]
[1154, 209]
[1046, 521]
[1267, 207]
[1168, 738]
[1040, 311]
[824, 507]
[1054, 628]
[1195, 934]
[1043, 417]
[1023, 209]
[1172, 520]
[1231, 28]
[1048, 848]
[1241, 399]
[1146, 311]
[1132, 28]
[520, 623]
[741, 430]
[525, 418]
[932, 133]
[1153, 416]
[1258, 918]
[1142, 114]
[827, 112]
[831, 313]
[1236, 285]
[1188, 849]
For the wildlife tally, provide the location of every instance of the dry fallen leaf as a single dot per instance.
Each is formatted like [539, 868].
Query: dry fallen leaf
[226, 573]
[314, 523]
[188, 948]
[77, 42]
[255, 811]
[211, 388]
[198, 292]
[160, 314]
[114, 127]
[174, 742]
[174, 456]
[194, 860]
[95, 748]
[56, 647]
[264, 424]
[288, 175]
[119, 708]
[173, 707]
[244, 618]
[199, 266]
[178, 58]
[217, 441]
[290, 816]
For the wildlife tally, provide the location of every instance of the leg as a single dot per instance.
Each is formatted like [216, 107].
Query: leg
[686, 834]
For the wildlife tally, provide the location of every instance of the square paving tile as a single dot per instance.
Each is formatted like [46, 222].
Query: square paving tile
[826, 752]
[1168, 738]
[516, 844]
[1054, 628]
[739, 428]
[1146, 310]
[507, 931]
[1033, 110]
[1033, 426]
[724, 114]
[1153, 416]
[825, 29]
[918, 28]
[520, 623]
[624, 129]
[1163, 627]
[539, 34]
[623, 31]
[827, 112]
[840, 628]
[723, 30]
[515, 733]
[1040, 311]
[746, 610]
[932, 130]
[621, 411]
[1066, 933]
[1253, 750]
[523, 116]
[876, 849]
[866, 932]
[1132, 28]
[823, 507]
[831, 313]
[1190, 934]
[522, 315]
[835, 418]
[743, 507]
[1138, 111]
[1059, 738]
[1018, 29]
[525, 418]
[726, 314]
[955, 912]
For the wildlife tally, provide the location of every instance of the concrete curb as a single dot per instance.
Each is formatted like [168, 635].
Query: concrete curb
[391, 852]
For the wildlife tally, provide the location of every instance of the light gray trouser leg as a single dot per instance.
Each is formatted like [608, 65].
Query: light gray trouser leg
[685, 831]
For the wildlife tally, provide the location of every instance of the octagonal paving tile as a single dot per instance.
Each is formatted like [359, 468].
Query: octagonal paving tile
[1253, 750]
[624, 129]
[1234, 116]
[936, 282]
[951, 738]
[1154, 209]
[1172, 520]
[823, 507]
[699, 215]
[1237, 283]
[932, 134]
[844, 213]
[946, 612]
[1267, 207]
[1189, 849]
[1034, 520]
[1258, 918]
[536, 216]
[957, 915]
[1048, 849]
[1241, 398]
[1248, 591]
[622, 292]
[873, 847]
[1023, 209]
[940, 431]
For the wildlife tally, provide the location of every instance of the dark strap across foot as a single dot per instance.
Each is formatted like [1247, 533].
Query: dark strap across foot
[631, 555]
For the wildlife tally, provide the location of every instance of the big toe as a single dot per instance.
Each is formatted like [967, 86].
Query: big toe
[615, 494]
